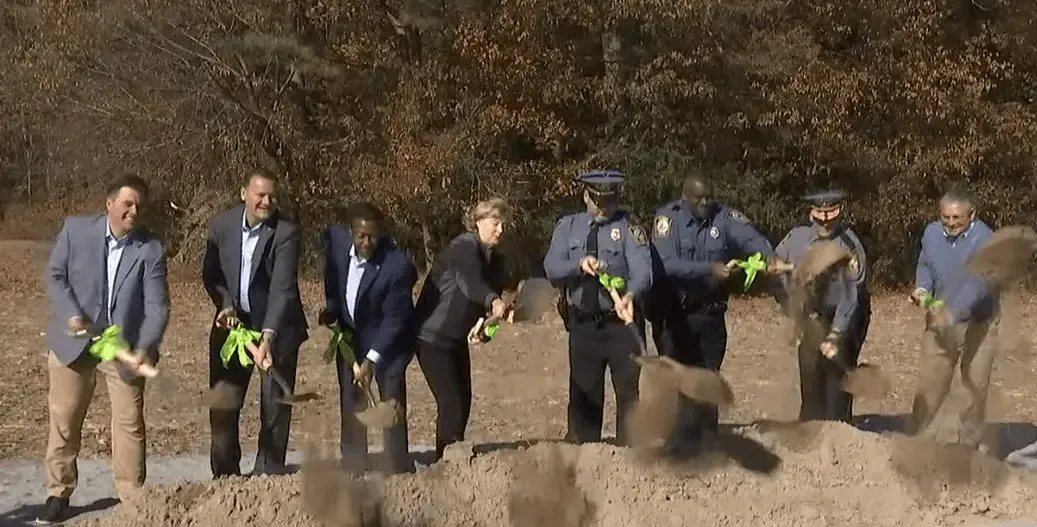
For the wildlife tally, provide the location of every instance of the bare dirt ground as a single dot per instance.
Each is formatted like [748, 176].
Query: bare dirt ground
[520, 396]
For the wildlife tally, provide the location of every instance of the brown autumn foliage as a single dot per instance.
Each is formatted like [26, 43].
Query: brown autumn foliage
[426, 106]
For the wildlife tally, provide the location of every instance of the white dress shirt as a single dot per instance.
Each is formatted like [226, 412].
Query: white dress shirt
[357, 268]
[114, 256]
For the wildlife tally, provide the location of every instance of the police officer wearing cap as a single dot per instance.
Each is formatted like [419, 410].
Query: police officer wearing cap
[603, 240]
[842, 306]
[695, 237]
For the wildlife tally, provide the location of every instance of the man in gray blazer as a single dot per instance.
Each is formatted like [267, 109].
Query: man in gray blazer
[250, 271]
[103, 271]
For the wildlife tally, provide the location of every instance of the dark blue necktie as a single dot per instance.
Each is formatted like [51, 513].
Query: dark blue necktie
[590, 300]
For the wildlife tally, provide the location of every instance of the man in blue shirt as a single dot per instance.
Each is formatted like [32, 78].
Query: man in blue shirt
[602, 239]
[961, 312]
[840, 310]
[695, 237]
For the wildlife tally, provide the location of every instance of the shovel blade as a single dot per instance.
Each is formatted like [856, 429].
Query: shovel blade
[699, 384]
[866, 381]
[381, 415]
[1005, 257]
[534, 297]
[375, 413]
[289, 397]
[819, 257]
[223, 396]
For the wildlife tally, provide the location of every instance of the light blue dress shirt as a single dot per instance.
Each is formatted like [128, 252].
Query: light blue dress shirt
[115, 247]
[249, 240]
[357, 268]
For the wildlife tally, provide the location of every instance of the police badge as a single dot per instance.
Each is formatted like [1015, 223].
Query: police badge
[615, 235]
[714, 232]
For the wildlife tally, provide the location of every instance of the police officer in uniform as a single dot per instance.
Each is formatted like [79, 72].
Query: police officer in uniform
[842, 307]
[603, 239]
[695, 237]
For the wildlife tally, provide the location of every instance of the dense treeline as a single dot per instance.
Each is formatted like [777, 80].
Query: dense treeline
[426, 106]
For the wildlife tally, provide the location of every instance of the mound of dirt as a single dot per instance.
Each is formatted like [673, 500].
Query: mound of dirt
[829, 474]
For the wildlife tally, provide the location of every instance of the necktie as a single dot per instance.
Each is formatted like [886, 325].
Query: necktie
[590, 300]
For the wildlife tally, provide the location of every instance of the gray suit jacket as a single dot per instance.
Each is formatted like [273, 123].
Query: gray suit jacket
[75, 277]
[274, 285]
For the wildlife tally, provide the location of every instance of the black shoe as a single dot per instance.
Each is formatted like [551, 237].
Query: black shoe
[53, 511]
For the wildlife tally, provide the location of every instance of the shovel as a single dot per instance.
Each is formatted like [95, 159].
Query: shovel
[866, 380]
[612, 284]
[1004, 257]
[698, 384]
[378, 414]
[533, 298]
[289, 396]
[819, 257]
[223, 395]
[113, 335]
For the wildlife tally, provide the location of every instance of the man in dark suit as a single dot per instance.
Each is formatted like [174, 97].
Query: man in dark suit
[250, 271]
[103, 271]
[368, 284]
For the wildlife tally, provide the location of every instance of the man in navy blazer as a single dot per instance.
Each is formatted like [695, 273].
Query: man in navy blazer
[368, 284]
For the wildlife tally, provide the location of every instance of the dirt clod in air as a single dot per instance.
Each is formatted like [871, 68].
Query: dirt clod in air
[544, 493]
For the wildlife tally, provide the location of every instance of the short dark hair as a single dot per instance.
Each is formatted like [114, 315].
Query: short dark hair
[696, 174]
[132, 181]
[364, 211]
[258, 172]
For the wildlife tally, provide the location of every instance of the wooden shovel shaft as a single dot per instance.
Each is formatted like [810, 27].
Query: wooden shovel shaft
[617, 300]
[253, 349]
[145, 369]
[289, 394]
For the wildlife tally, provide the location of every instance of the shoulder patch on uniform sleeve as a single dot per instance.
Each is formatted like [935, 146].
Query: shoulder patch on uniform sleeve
[638, 234]
[662, 226]
[854, 265]
[737, 215]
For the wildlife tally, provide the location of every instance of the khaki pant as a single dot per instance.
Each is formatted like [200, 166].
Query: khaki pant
[955, 414]
[71, 388]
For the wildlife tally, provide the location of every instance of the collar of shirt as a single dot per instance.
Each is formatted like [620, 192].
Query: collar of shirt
[836, 231]
[357, 260]
[591, 220]
[111, 238]
[245, 227]
[962, 234]
[685, 208]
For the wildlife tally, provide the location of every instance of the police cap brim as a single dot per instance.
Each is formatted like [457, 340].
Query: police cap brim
[827, 198]
[601, 182]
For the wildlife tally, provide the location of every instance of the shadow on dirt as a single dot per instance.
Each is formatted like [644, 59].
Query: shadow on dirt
[1010, 436]
[27, 515]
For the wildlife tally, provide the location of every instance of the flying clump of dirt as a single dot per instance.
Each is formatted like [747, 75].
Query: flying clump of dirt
[545, 493]
[336, 498]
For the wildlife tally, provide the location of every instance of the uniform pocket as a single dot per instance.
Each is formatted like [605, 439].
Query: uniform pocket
[576, 248]
[615, 260]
